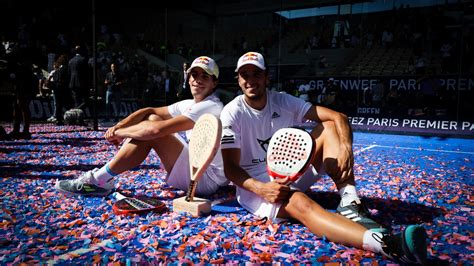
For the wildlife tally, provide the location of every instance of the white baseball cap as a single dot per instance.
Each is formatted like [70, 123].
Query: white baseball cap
[252, 58]
[207, 64]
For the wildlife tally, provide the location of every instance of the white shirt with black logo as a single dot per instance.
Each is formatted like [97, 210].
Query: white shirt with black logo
[250, 130]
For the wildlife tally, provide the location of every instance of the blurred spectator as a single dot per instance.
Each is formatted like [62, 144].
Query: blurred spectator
[446, 58]
[429, 96]
[114, 81]
[420, 65]
[392, 102]
[314, 42]
[38, 73]
[184, 91]
[378, 93]
[51, 57]
[150, 93]
[78, 78]
[387, 38]
[329, 93]
[58, 81]
[24, 88]
[49, 86]
[169, 85]
[308, 48]
[369, 39]
[323, 63]
[410, 68]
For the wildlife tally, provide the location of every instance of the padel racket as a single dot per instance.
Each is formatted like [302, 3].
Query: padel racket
[290, 153]
[203, 145]
[138, 204]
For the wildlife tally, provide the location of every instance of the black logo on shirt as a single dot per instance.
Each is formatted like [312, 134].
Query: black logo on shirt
[264, 143]
[275, 115]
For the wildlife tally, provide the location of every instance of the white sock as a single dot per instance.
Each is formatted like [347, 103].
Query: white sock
[104, 175]
[372, 241]
[348, 195]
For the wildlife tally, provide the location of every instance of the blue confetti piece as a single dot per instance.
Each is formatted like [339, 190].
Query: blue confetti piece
[86, 242]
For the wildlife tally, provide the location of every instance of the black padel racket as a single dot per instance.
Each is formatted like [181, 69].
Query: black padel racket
[137, 204]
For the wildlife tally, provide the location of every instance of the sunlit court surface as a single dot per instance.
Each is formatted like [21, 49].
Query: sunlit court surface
[403, 180]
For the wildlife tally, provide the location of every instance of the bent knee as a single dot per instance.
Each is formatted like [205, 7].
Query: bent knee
[300, 203]
[329, 126]
[153, 117]
[323, 131]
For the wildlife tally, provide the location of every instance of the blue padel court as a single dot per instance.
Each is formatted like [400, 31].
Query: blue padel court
[402, 179]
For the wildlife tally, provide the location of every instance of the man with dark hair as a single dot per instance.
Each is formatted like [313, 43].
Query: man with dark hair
[249, 122]
[157, 129]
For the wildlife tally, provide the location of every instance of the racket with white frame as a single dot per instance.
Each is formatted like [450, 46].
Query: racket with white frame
[203, 145]
[290, 153]
[136, 205]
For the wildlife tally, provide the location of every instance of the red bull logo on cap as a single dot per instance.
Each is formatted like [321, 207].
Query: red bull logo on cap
[207, 64]
[202, 60]
[250, 57]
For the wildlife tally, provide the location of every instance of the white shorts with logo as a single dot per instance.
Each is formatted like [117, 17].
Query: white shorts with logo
[262, 208]
[180, 175]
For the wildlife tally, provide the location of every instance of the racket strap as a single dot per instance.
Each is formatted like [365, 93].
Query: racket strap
[138, 204]
[191, 190]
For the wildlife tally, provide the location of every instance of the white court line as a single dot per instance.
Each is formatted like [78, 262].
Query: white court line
[422, 149]
[79, 251]
[408, 148]
[366, 148]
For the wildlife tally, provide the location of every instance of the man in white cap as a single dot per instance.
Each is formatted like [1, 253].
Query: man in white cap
[249, 122]
[157, 128]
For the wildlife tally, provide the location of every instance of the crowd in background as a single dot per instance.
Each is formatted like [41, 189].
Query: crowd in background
[43, 59]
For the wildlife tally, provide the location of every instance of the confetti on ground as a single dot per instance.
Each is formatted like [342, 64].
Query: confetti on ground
[403, 180]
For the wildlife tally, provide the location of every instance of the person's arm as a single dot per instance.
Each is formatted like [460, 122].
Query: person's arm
[140, 115]
[271, 191]
[147, 129]
[344, 131]
[134, 119]
[340, 120]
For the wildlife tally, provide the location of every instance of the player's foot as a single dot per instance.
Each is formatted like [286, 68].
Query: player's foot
[407, 247]
[358, 212]
[84, 185]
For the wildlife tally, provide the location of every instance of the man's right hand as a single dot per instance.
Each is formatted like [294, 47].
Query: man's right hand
[111, 137]
[274, 191]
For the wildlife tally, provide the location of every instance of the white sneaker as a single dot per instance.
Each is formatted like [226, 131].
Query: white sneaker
[84, 185]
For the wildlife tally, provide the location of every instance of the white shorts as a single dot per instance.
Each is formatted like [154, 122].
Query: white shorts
[180, 175]
[262, 208]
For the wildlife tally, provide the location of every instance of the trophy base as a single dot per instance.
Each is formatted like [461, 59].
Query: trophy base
[197, 207]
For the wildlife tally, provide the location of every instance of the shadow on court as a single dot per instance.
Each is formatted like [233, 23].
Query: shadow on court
[389, 212]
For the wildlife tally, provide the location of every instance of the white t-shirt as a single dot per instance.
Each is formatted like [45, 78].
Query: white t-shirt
[250, 130]
[192, 110]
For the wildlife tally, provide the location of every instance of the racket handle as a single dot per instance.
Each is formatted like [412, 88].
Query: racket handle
[117, 196]
[191, 190]
[286, 183]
